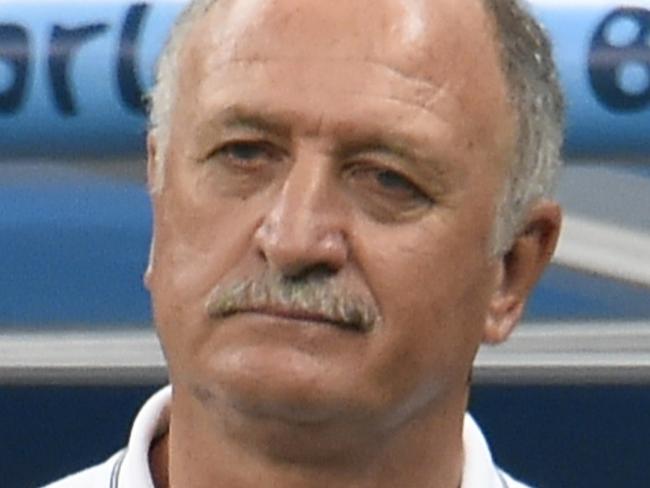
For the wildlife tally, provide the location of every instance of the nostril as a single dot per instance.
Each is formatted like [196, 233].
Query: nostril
[312, 272]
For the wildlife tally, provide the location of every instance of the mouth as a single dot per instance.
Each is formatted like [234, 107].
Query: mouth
[308, 303]
[302, 316]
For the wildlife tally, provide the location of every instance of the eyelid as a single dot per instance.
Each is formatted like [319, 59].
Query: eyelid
[419, 165]
[378, 167]
[263, 144]
[410, 185]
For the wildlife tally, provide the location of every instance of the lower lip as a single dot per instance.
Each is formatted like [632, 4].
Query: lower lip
[305, 322]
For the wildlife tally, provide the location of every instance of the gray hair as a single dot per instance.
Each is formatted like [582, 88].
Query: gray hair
[534, 94]
[164, 90]
[537, 98]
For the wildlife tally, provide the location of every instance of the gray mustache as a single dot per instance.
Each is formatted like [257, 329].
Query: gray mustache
[310, 297]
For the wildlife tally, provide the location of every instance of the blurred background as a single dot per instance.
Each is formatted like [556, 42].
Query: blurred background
[566, 403]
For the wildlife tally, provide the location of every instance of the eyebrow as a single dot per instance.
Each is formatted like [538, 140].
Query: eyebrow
[394, 145]
[377, 143]
[238, 117]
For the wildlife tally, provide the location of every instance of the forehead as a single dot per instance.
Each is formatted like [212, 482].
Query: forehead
[436, 54]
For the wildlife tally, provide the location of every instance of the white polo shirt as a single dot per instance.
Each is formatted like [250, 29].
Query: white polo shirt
[129, 468]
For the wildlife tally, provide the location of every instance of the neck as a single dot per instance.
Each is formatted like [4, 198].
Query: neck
[212, 447]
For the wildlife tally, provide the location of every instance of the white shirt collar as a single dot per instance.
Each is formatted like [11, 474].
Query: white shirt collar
[153, 419]
[479, 470]
[151, 422]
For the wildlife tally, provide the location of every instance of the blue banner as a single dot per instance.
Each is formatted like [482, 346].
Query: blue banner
[73, 75]
[603, 53]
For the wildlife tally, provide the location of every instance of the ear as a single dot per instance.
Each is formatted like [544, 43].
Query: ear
[520, 268]
[152, 160]
[151, 172]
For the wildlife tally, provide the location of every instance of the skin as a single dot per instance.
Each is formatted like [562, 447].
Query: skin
[364, 146]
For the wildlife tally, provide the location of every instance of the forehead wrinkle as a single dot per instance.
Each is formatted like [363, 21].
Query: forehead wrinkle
[423, 81]
[424, 90]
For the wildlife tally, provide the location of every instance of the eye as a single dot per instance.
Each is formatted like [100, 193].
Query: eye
[243, 150]
[247, 154]
[388, 183]
[387, 194]
[393, 181]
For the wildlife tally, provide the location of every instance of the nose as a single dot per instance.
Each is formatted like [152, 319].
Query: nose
[304, 231]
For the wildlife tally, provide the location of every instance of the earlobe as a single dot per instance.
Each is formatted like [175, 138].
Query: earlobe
[149, 271]
[520, 269]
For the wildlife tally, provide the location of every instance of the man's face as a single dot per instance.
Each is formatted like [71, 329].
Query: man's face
[347, 159]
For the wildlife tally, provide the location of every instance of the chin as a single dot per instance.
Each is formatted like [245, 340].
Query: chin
[299, 371]
[287, 384]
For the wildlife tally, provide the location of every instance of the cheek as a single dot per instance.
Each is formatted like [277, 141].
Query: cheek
[443, 281]
[197, 242]
[197, 232]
